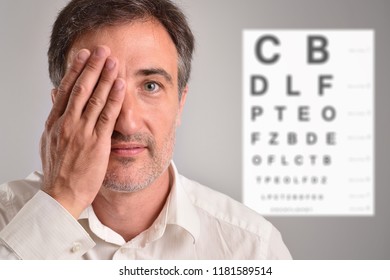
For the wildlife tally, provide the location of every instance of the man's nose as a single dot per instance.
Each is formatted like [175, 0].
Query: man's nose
[130, 119]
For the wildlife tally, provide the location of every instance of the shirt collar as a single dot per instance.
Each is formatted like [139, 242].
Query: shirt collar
[178, 210]
[181, 211]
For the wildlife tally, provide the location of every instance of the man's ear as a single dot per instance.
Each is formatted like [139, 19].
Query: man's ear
[53, 95]
[181, 105]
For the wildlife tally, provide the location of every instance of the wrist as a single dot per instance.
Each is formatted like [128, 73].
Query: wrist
[70, 203]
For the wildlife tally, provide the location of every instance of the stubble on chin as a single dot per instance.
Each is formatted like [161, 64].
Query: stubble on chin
[135, 174]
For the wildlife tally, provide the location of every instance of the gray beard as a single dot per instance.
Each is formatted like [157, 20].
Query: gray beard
[158, 162]
[129, 184]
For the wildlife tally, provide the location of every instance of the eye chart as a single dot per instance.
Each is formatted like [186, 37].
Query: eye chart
[308, 122]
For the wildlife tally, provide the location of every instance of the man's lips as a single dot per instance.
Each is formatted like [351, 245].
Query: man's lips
[128, 149]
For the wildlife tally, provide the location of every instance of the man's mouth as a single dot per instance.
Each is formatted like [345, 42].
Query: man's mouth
[127, 149]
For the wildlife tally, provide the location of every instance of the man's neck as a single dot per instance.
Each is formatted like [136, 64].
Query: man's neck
[129, 214]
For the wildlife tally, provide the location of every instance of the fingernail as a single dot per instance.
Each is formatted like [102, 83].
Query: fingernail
[110, 63]
[119, 84]
[100, 51]
[83, 55]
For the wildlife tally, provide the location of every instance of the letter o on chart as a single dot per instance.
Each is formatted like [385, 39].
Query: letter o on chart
[256, 160]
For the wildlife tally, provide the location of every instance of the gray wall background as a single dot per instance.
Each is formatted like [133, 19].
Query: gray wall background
[209, 140]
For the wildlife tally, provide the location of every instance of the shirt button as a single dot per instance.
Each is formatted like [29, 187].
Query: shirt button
[123, 250]
[76, 247]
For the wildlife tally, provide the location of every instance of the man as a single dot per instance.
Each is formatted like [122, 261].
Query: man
[109, 189]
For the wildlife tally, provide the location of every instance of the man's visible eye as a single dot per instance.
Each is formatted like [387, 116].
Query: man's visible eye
[151, 87]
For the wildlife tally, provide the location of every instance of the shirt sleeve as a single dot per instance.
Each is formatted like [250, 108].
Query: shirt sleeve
[6, 253]
[43, 229]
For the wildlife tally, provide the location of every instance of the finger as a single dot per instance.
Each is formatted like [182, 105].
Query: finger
[107, 119]
[61, 94]
[98, 99]
[86, 82]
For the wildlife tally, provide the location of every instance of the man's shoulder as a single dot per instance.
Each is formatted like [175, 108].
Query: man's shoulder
[225, 209]
[231, 230]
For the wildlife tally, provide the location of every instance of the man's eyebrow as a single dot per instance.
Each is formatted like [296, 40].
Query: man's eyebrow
[155, 71]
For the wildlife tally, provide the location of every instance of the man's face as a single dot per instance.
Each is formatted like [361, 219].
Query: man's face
[144, 134]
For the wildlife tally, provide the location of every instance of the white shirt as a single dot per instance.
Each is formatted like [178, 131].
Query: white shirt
[195, 223]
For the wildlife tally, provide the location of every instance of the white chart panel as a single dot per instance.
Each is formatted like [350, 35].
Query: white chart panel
[308, 122]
